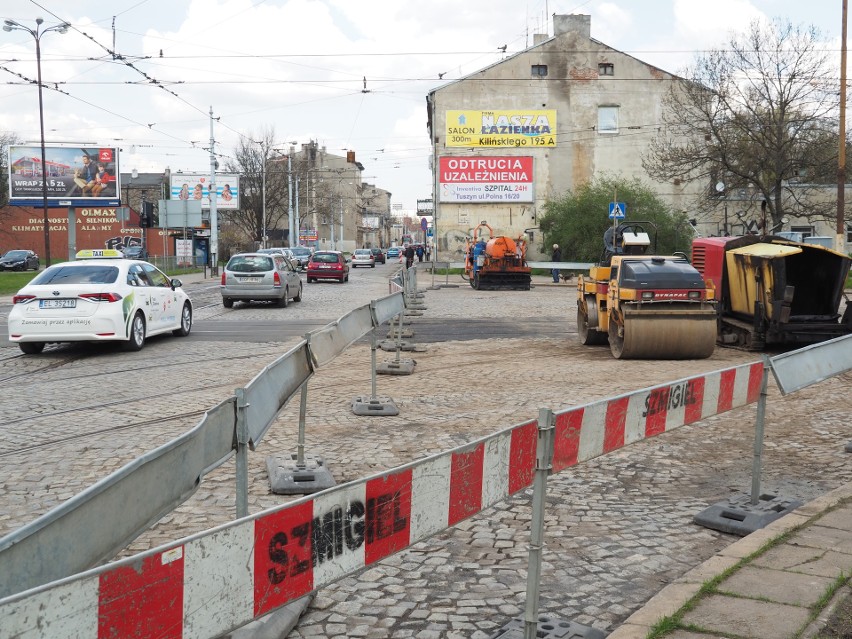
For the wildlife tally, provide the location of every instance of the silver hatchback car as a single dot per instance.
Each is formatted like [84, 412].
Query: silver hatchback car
[260, 277]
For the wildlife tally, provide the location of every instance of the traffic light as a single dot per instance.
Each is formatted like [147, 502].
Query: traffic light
[146, 215]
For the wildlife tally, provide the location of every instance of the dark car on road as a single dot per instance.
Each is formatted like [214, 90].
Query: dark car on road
[301, 255]
[19, 260]
[135, 252]
[378, 254]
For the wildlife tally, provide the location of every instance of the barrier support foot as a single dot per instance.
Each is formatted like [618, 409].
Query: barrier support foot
[286, 477]
[738, 516]
[396, 367]
[381, 406]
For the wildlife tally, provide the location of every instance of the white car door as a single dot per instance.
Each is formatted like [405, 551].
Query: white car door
[142, 290]
[164, 312]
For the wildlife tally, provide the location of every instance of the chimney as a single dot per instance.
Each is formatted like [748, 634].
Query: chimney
[350, 157]
[538, 38]
[574, 23]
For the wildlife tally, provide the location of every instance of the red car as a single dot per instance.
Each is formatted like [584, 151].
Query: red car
[328, 265]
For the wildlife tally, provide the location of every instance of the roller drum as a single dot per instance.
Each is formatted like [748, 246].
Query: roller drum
[672, 333]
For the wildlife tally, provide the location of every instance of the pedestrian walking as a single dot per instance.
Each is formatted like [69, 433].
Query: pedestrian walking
[409, 256]
[420, 252]
[556, 257]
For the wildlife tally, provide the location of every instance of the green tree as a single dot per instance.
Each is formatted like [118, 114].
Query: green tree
[578, 220]
[756, 117]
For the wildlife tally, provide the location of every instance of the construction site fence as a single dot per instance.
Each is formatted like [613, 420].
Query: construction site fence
[96, 524]
[219, 580]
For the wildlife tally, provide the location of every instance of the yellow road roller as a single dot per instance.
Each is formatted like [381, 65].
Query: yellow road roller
[645, 306]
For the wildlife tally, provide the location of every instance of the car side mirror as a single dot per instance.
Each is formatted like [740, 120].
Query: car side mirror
[176, 283]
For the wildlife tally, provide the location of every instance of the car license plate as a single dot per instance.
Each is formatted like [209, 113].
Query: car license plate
[324, 266]
[67, 303]
[251, 279]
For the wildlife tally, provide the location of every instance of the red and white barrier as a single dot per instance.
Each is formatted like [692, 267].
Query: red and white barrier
[223, 578]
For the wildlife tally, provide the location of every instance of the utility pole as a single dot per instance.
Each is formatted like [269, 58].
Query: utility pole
[839, 242]
[212, 191]
[290, 194]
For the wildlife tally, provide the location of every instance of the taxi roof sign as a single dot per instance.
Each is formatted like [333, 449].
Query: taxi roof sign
[89, 254]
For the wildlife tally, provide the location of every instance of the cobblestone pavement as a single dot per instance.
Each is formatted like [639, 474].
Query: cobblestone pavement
[617, 529]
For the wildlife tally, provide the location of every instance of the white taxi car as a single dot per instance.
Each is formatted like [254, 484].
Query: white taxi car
[99, 297]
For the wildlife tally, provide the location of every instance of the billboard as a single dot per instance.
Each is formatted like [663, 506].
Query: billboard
[486, 179]
[73, 175]
[196, 186]
[501, 129]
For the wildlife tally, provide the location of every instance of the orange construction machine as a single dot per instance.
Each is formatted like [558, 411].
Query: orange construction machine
[496, 262]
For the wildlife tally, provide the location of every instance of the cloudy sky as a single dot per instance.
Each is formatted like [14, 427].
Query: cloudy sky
[143, 74]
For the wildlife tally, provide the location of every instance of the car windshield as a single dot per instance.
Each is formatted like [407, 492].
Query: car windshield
[325, 257]
[249, 264]
[363, 252]
[301, 252]
[16, 255]
[78, 274]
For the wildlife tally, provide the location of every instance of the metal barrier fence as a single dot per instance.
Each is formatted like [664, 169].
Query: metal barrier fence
[221, 579]
[95, 524]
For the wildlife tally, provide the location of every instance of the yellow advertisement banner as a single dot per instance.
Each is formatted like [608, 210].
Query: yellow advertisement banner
[501, 129]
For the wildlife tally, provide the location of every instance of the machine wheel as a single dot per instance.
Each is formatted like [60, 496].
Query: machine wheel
[185, 322]
[672, 333]
[31, 348]
[474, 282]
[616, 341]
[227, 302]
[298, 296]
[137, 334]
[588, 335]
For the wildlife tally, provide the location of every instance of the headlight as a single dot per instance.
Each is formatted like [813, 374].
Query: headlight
[695, 295]
[647, 295]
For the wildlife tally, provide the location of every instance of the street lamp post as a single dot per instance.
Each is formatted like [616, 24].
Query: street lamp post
[37, 33]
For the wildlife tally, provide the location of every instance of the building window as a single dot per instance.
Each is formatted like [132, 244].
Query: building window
[539, 70]
[608, 119]
[606, 68]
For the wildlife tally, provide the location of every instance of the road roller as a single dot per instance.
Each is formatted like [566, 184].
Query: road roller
[645, 306]
[496, 262]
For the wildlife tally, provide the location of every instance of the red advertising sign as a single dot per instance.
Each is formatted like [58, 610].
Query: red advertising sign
[486, 179]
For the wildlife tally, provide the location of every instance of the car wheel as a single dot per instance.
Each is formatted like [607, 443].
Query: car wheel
[185, 321]
[298, 297]
[31, 348]
[372, 266]
[310, 280]
[137, 334]
[282, 301]
[227, 302]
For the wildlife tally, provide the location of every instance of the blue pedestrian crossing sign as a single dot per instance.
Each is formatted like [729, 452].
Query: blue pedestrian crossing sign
[617, 210]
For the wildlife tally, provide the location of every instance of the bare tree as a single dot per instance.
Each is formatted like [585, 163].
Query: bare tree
[262, 172]
[758, 116]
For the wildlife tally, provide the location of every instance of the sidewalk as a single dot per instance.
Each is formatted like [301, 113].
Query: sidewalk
[775, 583]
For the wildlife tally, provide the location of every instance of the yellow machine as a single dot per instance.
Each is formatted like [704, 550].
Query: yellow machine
[645, 306]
